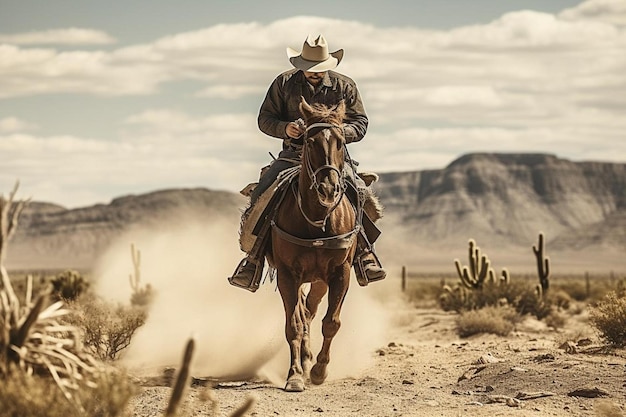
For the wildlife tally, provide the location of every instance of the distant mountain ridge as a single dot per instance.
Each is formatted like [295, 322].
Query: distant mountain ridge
[51, 236]
[509, 198]
[504, 199]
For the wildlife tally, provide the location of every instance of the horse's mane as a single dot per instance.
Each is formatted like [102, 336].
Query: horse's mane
[324, 113]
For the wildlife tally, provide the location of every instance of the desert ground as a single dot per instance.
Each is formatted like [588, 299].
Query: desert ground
[392, 357]
[422, 368]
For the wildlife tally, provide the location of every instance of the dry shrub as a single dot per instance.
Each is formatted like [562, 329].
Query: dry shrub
[523, 297]
[530, 301]
[556, 320]
[495, 320]
[107, 328]
[69, 285]
[24, 395]
[609, 318]
[35, 340]
[559, 299]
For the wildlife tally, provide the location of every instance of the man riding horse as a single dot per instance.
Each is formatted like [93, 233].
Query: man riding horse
[313, 80]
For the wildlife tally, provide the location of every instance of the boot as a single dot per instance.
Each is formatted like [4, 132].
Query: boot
[368, 268]
[247, 275]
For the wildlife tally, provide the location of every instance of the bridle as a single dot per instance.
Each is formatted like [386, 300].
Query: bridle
[317, 128]
[342, 241]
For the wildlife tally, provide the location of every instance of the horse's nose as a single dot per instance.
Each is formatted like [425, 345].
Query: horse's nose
[329, 190]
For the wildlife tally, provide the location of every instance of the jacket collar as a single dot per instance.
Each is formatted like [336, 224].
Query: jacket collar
[326, 81]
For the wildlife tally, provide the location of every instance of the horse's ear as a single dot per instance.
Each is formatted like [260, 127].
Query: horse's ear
[305, 108]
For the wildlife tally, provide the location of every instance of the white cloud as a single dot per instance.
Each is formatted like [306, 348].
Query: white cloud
[70, 36]
[231, 92]
[158, 149]
[422, 148]
[530, 29]
[173, 121]
[14, 124]
[510, 50]
[526, 82]
[25, 72]
[609, 11]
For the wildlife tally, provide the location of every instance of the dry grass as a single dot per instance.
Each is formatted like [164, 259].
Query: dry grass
[34, 339]
[24, 395]
[609, 318]
[495, 320]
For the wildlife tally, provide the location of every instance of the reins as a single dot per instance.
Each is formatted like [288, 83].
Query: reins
[317, 128]
[331, 242]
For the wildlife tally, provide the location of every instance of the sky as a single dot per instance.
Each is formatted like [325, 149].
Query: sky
[102, 99]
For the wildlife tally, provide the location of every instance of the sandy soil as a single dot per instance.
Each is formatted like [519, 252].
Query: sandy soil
[425, 369]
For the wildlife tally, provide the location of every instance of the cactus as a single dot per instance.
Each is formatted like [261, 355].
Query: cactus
[182, 380]
[473, 277]
[543, 265]
[141, 296]
[506, 277]
[455, 298]
[9, 216]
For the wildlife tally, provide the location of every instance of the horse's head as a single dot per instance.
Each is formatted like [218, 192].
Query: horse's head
[324, 150]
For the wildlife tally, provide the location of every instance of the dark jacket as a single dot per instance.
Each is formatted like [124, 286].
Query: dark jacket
[281, 104]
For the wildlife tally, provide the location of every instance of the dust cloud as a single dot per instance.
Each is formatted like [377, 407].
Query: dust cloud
[239, 335]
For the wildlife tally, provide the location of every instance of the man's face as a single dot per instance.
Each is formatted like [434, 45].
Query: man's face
[314, 78]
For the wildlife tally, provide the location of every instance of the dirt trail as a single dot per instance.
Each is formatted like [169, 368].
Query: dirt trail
[426, 370]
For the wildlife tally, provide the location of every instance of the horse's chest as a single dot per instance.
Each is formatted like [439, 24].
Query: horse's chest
[319, 262]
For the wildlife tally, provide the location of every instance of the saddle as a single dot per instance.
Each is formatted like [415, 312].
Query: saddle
[255, 221]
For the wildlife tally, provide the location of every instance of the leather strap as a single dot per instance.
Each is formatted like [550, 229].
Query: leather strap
[343, 241]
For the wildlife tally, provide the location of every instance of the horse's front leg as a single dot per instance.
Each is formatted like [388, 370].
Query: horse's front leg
[294, 328]
[317, 292]
[338, 288]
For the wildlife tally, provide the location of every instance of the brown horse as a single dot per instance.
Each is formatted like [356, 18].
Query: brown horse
[314, 241]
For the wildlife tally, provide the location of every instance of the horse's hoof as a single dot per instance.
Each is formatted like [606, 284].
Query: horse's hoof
[294, 385]
[318, 374]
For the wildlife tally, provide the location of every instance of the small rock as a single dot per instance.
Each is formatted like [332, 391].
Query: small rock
[471, 373]
[569, 347]
[513, 402]
[544, 358]
[522, 395]
[407, 382]
[319, 410]
[487, 358]
[594, 392]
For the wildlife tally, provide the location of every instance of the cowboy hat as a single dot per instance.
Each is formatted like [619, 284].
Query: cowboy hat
[314, 56]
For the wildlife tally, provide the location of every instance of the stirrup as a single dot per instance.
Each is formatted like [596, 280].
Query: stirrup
[360, 268]
[253, 284]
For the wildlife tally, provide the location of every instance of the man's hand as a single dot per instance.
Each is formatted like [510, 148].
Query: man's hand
[293, 130]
